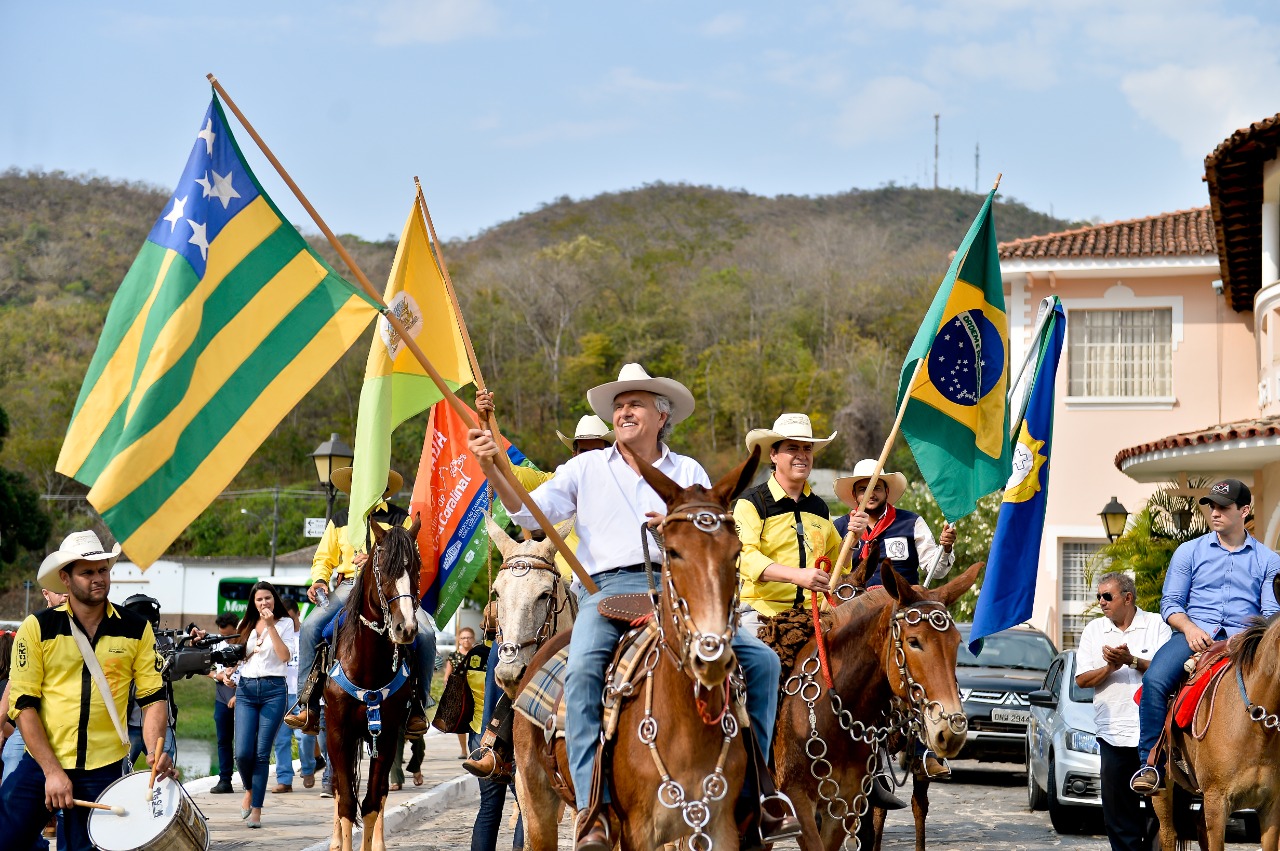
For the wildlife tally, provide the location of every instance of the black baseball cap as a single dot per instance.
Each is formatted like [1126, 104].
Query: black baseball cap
[1228, 492]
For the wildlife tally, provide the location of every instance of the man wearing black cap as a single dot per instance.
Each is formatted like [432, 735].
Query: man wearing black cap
[1214, 585]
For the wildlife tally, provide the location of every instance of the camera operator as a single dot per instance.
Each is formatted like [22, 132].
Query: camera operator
[223, 708]
[149, 608]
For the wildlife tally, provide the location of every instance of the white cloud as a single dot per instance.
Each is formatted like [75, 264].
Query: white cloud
[1024, 63]
[885, 109]
[626, 81]
[434, 21]
[566, 131]
[724, 25]
[824, 74]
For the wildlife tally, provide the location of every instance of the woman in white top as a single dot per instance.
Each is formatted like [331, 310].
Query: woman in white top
[261, 694]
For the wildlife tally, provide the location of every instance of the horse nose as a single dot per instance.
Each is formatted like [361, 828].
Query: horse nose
[712, 672]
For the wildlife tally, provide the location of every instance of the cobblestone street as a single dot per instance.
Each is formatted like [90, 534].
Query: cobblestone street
[983, 807]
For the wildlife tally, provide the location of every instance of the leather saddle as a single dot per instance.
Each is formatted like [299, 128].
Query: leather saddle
[1204, 671]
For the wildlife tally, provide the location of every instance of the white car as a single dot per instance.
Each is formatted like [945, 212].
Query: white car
[1063, 765]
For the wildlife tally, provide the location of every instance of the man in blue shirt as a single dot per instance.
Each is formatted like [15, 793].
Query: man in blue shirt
[1214, 585]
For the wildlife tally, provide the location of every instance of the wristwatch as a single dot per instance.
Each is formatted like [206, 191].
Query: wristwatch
[1134, 663]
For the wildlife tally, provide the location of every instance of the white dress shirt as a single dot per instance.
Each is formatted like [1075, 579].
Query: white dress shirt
[927, 550]
[1113, 708]
[610, 500]
[260, 655]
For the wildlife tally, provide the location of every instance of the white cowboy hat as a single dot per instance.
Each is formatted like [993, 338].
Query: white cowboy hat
[589, 427]
[78, 546]
[341, 479]
[895, 483]
[786, 427]
[633, 377]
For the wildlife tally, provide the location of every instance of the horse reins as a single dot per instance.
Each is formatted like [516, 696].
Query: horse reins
[520, 566]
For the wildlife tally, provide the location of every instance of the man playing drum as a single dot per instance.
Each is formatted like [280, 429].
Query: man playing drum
[75, 739]
[611, 501]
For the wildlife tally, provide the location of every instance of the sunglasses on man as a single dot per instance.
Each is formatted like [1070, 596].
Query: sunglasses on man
[1106, 596]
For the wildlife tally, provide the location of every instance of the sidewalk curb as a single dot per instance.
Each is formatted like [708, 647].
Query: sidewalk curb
[434, 801]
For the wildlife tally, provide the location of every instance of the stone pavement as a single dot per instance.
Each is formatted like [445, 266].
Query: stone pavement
[983, 808]
[301, 818]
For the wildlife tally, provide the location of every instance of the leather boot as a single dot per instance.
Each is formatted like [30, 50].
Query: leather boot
[778, 820]
[416, 727]
[934, 768]
[593, 836]
[488, 766]
[882, 796]
[307, 720]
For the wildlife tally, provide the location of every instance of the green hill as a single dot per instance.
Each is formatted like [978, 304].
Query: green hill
[758, 304]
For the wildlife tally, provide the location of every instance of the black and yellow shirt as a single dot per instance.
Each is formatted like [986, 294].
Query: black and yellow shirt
[770, 536]
[48, 674]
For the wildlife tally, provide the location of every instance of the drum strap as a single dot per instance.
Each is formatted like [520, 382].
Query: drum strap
[99, 678]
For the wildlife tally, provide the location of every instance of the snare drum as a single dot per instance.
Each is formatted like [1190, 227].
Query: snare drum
[164, 819]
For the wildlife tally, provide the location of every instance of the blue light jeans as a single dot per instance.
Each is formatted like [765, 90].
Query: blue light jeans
[591, 648]
[284, 753]
[137, 747]
[259, 709]
[309, 637]
[1158, 682]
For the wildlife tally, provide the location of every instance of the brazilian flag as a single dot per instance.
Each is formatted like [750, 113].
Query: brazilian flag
[223, 323]
[956, 419]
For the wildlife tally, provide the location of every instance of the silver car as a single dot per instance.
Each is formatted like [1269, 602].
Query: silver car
[1063, 765]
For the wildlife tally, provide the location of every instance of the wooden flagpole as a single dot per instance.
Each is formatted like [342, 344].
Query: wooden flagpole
[459, 408]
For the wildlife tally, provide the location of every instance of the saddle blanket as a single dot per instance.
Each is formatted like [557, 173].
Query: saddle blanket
[1189, 698]
[539, 700]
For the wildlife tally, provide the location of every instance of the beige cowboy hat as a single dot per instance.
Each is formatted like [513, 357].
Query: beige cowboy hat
[589, 427]
[341, 479]
[632, 376]
[786, 427]
[78, 546]
[894, 483]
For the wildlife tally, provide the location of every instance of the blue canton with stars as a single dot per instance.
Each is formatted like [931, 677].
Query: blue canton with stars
[214, 187]
[967, 358]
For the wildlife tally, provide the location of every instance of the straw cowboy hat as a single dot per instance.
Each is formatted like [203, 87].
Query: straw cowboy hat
[341, 479]
[633, 377]
[786, 427]
[895, 483]
[589, 427]
[78, 546]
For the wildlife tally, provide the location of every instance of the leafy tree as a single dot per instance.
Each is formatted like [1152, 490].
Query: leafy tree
[24, 525]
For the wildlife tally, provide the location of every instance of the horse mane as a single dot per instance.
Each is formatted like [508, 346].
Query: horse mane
[396, 547]
[1244, 649]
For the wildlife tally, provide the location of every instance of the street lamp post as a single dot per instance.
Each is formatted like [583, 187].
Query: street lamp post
[331, 455]
[1114, 518]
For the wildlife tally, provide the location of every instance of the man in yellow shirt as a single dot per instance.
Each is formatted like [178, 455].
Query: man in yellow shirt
[75, 739]
[785, 527]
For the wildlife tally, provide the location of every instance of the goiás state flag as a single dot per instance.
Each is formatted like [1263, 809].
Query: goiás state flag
[957, 417]
[453, 496]
[223, 323]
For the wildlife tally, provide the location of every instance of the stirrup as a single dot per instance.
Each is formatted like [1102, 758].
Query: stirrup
[588, 818]
[1141, 781]
[777, 826]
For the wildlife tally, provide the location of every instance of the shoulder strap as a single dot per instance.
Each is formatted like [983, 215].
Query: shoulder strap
[99, 678]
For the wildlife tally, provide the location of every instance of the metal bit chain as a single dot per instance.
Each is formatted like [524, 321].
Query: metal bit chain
[697, 812]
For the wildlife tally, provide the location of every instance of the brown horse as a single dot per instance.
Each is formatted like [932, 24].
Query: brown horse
[376, 622]
[679, 760]
[892, 656]
[1232, 750]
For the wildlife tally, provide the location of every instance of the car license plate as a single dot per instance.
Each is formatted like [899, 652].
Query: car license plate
[1011, 716]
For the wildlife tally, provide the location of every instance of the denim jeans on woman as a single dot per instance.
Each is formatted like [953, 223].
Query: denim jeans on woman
[260, 705]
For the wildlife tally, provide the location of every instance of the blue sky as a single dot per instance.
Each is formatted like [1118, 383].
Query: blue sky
[1092, 109]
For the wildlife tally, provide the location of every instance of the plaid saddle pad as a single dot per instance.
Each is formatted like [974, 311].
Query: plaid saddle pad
[540, 698]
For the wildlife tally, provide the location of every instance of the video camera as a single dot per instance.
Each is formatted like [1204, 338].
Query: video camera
[183, 655]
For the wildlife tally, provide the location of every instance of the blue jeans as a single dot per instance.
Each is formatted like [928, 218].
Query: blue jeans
[137, 747]
[23, 815]
[259, 709]
[224, 722]
[14, 748]
[1159, 681]
[310, 636]
[424, 648]
[493, 796]
[284, 753]
[590, 649]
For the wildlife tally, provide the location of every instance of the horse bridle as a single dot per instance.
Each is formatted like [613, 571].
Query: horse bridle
[384, 601]
[518, 567]
[914, 693]
[707, 518]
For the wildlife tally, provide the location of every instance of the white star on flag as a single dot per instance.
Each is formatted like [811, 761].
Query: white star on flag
[199, 239]
[208, 135]
[204, 181]
[222, 189]
[176, 213]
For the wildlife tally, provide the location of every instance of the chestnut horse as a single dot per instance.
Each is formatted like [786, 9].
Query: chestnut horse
[1232, 749]
[376, 622]
[892, 661]
[679, 760]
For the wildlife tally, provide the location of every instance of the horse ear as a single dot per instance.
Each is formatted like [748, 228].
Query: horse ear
[858, 578]
[417, 525]
[499, 536]
[737, 479]
[666, 489]
[955, 589]
[892, 582]
[564, 527]
[378, 532]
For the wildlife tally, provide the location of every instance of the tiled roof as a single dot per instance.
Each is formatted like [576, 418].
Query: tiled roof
[1186, 232]
[1234, 174]
[1260, 427]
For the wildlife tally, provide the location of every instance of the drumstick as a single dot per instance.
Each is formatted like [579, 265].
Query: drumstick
[93, 805]
[154, 765]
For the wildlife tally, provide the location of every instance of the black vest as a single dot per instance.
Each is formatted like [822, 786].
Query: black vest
[898, 543]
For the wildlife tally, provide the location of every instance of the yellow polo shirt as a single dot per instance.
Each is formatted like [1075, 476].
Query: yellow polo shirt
[772, 538]
[334, 554]
[48, 674]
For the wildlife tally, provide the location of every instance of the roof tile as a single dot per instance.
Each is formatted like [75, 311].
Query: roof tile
[1186, 232]
[1258, 427]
